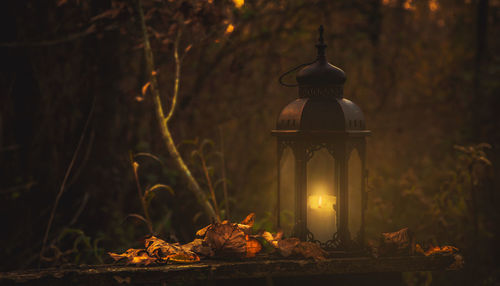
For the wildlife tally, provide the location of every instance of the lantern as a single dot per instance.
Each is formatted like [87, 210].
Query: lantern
[321, 160]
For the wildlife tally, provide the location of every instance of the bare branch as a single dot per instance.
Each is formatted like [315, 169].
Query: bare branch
[178, 63]
[193, 185]
[68, 38]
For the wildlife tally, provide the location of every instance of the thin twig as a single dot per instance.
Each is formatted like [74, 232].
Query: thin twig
[66, 176]
[23, 186]
[85, 159]
[80, 209]
[178, 62]
[65, 39]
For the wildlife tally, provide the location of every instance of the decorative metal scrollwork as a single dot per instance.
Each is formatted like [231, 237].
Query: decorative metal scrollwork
[332, 244]
[283, 144]
[330, 91]
[313, 147]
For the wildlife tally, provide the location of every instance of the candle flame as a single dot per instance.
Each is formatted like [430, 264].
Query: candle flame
[320, 200]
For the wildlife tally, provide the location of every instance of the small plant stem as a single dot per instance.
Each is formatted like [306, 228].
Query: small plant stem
[224, 183]
[209, 183]
[193, 185]
[474, 200]
[142, 197]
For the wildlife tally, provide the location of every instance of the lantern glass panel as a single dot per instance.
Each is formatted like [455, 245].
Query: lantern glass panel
[355, 196]
[287, 192]
[321, 196]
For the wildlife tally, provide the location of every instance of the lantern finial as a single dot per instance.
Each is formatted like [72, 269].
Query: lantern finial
[321, 45]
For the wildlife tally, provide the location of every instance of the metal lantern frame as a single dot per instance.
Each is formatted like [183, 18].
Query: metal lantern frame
[321, 118]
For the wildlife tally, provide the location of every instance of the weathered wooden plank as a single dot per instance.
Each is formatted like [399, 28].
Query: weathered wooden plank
[217, 270]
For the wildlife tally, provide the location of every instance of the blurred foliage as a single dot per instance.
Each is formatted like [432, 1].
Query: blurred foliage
[425, 78]
[445, 205]
[79, 248]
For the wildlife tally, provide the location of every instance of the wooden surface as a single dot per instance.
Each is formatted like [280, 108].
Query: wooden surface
[222, 270]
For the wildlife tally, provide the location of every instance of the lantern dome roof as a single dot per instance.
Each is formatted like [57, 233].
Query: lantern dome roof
[320, 72]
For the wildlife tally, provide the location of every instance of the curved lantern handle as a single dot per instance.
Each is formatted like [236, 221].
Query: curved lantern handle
[290, 71]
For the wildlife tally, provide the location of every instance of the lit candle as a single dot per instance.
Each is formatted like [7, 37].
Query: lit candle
[321, 216]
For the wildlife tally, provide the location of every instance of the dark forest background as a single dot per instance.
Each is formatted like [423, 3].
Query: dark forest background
[426, 74]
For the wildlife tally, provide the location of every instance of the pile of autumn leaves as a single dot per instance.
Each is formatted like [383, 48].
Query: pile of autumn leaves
[402, 243]
[220, 240]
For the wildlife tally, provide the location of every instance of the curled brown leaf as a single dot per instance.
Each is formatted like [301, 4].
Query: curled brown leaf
[165, 251]
[249, 220]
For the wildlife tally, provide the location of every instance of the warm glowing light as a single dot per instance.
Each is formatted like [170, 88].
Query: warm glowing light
[433, 5]
[322, 202]
[229, 29]
[238, 3]
[321, 215]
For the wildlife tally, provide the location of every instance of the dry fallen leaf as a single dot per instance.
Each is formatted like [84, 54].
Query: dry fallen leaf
[272, 239]
[400, 242]
[226, 239]
[145, 88]
[293, 246]
[253, 246]
[286, 246]
[310, 250]
[419, 249]
[203, 231]
[134, 256]
[249, 220]
[197, 246]
[447, 249]
[165, 251]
